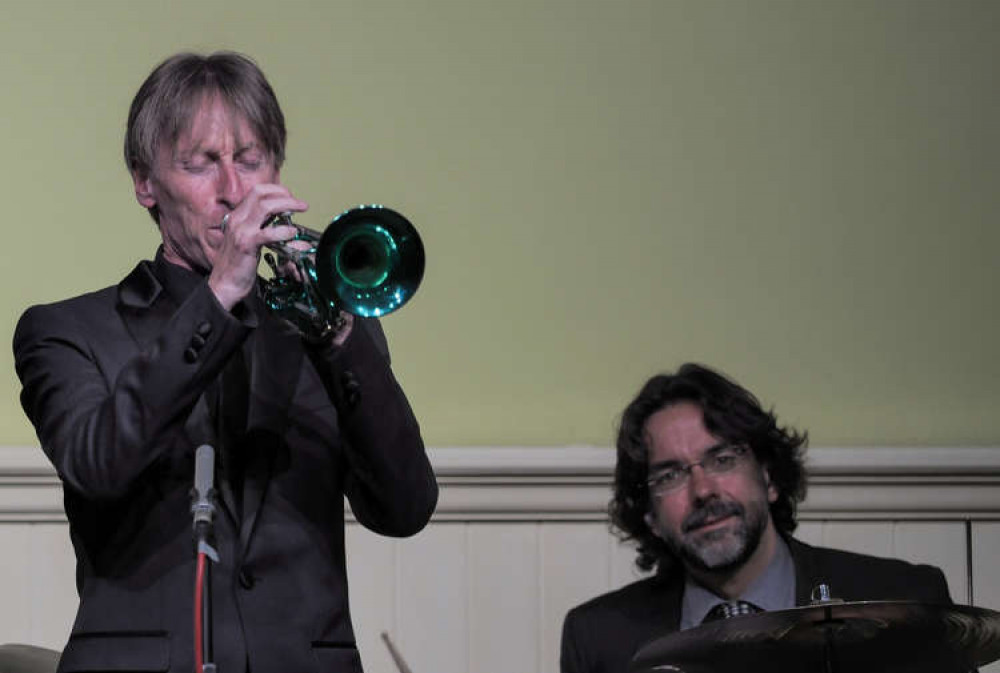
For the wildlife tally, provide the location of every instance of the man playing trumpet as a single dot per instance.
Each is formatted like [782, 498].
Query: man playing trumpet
[124, 383]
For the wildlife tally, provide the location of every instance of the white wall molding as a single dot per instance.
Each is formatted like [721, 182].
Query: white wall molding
[520, 536]
[573, 483]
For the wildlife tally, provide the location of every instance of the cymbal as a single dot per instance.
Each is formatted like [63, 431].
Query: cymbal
[855, 637]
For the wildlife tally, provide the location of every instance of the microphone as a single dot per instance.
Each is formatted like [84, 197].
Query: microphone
[203, 509]
[203, 494]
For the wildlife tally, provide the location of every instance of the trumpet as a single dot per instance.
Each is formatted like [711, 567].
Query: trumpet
[368, 261]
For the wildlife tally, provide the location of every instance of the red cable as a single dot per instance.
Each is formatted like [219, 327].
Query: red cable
[198, 589]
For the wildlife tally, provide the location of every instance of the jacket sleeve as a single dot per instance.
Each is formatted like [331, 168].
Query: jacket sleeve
[104, 411]
[390, 483]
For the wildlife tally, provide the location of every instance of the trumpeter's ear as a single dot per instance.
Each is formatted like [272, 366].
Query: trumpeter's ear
[145, 193]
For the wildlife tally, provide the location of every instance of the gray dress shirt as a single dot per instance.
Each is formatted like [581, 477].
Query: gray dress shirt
[774, 589]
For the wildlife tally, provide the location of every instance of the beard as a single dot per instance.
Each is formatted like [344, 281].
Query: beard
[720, 549]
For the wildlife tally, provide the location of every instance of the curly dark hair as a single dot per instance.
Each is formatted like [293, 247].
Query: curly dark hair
[731, 413]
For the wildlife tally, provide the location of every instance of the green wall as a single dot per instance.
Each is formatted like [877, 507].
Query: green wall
[802, 193]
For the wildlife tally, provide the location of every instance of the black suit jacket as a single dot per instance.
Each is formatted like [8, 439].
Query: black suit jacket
[115, 381]
[602, 635]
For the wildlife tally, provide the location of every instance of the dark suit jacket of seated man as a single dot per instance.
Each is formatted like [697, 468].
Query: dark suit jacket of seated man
[124, 383]
[706, 485]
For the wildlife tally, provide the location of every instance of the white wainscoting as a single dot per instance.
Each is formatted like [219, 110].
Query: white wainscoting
[520, 535]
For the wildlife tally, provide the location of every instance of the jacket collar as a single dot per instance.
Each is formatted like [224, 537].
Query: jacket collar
[662, 607]
[143, 304]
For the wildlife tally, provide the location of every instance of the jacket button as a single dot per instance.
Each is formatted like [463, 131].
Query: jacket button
[246, 579]
[197, 342]
[352, 389]
[204, 329]
[190, 355]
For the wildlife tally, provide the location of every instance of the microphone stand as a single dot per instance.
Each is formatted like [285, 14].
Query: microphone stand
[203, 511]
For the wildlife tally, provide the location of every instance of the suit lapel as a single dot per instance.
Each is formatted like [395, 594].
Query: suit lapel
[275, 362]
[659, 613]
[670, 602]
[806, 573]
[145, 308]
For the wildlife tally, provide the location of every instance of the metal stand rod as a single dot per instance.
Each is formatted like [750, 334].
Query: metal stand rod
[829, 653]
[211, 556]
[208, 666]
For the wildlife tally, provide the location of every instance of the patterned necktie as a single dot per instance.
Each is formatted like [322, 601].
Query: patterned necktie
[730, 609]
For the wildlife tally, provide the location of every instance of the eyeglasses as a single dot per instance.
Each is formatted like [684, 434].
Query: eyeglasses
[719, 461]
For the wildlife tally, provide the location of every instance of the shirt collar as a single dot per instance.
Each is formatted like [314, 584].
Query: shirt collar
[177, 281]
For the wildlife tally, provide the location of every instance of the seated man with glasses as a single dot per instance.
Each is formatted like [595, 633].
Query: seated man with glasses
[706, 485]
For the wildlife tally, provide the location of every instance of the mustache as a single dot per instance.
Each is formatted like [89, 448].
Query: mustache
[713, 509]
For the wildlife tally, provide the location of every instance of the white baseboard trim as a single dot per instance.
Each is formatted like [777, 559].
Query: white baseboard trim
[573, 483]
